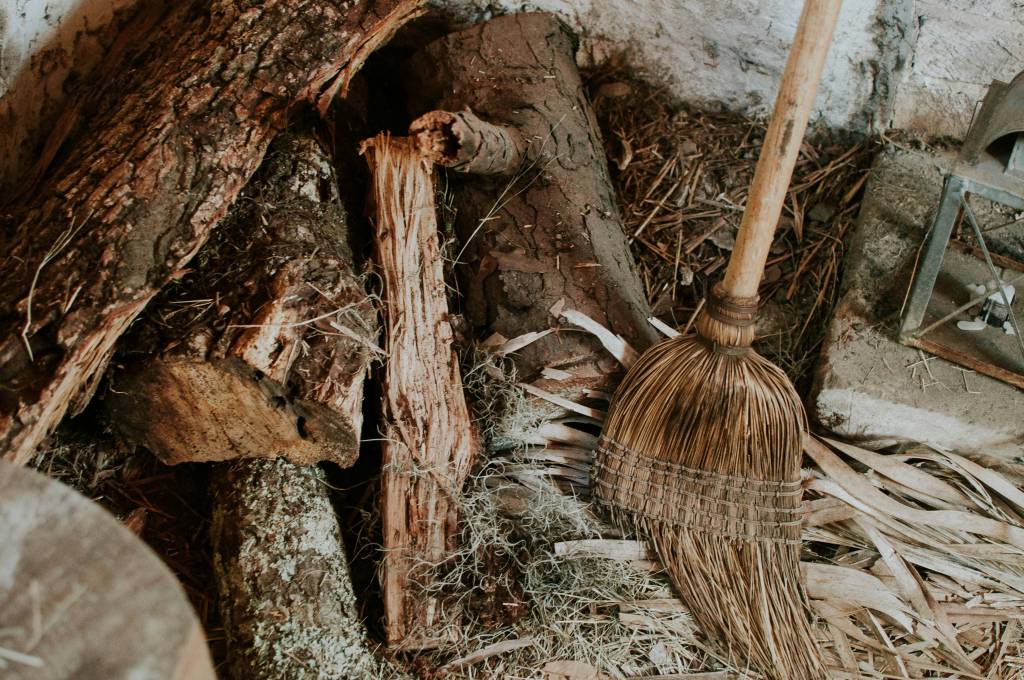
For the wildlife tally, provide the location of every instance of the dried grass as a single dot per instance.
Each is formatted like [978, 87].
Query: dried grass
[681, 176]
[913, 562]
[523, 599]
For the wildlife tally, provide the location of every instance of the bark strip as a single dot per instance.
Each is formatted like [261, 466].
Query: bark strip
[262, 351]
[547, 234]
[158, 163]
[429, 444]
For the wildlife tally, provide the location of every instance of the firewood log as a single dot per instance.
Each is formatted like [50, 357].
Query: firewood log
[155, 167]
[503, 105]
[262, 350]
[84, 597]
[285, 590]
[429, 444]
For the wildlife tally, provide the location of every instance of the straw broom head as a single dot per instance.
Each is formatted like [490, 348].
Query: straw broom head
[701, 454]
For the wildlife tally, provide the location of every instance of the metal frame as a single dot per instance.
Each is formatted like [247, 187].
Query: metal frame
[988, 180]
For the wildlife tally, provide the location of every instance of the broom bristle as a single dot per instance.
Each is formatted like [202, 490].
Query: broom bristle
[701, 454]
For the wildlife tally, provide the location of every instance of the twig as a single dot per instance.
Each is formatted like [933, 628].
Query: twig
[60, 244]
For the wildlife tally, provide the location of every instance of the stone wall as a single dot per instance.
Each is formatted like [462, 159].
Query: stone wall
[917, 64]
[959, 47]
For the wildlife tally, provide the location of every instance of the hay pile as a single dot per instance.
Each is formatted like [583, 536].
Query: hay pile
[914, 562]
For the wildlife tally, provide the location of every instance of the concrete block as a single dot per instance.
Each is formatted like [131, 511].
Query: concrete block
[869, 387]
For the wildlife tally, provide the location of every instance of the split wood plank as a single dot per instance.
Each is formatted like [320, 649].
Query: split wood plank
[429, 443]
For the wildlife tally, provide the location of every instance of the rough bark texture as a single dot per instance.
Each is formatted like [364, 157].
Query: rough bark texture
[285, 591]
[262, 351]
[84, 597]
[548, 230]
[463, 142]
[156, 167]
[429, 444]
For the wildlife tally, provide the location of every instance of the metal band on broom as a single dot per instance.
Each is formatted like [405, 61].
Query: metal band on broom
[701, 449]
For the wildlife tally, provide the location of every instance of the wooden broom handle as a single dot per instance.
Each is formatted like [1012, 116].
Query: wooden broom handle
[781, 146]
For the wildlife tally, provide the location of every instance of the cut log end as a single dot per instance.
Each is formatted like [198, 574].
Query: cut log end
[465, 143]
[83, 596]
[202, 411]
[436, 138]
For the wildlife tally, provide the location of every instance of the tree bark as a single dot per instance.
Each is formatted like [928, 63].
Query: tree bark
[285, 591]
[263, 350]
[154, 169]
[428, 444]
[463, 142]
[84, 597]
[539, 225]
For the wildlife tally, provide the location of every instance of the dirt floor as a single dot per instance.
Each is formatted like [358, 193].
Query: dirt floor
[681, 177]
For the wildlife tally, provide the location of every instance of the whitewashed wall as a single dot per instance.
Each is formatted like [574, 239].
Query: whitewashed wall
[918, 64]
[723, 50]
[960, 46]
[44, 46]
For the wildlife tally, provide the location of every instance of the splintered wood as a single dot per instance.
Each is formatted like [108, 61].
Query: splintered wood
[429, 444]
[263, 350]
[166, 146]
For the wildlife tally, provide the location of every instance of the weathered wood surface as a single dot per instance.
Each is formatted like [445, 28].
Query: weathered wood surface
[83, 597]
[463, 142]
[154, 169]
[545, 229]
[263, 349]
[285, 591]
[428, 440]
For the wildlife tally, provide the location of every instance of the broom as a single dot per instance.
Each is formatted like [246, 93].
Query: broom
[701, 448]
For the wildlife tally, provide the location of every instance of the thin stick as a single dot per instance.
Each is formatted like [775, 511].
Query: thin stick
[989, 289]
[60, 244]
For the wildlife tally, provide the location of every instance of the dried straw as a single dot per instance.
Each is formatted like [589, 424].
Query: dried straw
[701, 454]
[912, 562]
[655, 143]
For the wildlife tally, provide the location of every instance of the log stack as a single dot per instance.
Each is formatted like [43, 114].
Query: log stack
[183, 209]
[261, 351]
[154, 168]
